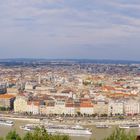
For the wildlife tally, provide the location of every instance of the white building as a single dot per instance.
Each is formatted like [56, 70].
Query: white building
[115, 108]
[131, 107]
[29, 86]
[60, 106]
[70, 109]
[50, 110]
[86, 106]
[33, 107]
[20, 104]
[87, 110]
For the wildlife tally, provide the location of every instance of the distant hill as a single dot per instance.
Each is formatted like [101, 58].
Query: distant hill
[28, 61]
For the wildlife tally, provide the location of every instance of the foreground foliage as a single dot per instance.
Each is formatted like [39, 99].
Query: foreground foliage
[38, 134]
[41, 134]
[121, 134]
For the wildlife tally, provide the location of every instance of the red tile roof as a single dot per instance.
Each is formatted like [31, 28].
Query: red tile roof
[6, 96]
[35, 103]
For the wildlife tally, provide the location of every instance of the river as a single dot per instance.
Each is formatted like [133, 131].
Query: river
[98, 134]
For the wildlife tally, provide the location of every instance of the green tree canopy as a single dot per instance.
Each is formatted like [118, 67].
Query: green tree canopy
[120, 134]
[42, 134]
[12, 135]
[38, 134]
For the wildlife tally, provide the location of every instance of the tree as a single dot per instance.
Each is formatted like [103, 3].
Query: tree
[42, 134]
[28, 136]
[120, 134]
[38, 134]
[12, 135]
[59, 137]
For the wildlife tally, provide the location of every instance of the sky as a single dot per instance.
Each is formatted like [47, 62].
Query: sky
[87, 29]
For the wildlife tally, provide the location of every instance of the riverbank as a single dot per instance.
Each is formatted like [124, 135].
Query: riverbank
[69, 121]
[98, 134]
[21, 118]
[94, 123]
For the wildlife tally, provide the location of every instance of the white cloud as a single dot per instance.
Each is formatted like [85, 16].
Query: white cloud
[62, 23]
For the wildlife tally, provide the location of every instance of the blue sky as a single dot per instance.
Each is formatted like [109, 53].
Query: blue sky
[93, 29]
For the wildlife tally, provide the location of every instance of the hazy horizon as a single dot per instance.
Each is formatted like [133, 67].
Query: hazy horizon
[71, 59]
[75, 29]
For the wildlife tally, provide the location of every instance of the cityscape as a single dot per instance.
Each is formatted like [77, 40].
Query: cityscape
[69, 70]
[70, 88]
[70, 92]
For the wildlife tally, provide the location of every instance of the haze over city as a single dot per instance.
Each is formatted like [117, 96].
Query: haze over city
[92, 29]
